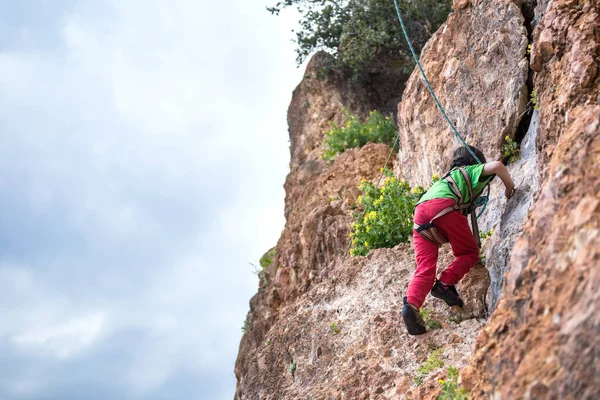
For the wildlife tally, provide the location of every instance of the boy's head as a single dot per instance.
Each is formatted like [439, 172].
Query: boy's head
[463, 157]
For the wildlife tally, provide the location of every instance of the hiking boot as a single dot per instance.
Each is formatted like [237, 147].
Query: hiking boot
[447, 293]
[412, 318]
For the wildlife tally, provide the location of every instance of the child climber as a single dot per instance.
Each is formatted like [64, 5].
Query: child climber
[439, 219]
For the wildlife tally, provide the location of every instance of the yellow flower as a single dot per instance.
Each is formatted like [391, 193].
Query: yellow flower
[370, 216]
[359, 200]
[368, 228]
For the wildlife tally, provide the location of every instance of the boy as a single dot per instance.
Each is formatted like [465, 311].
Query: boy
[438, 219]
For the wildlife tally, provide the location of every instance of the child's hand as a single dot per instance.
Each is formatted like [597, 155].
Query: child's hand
[510, 191]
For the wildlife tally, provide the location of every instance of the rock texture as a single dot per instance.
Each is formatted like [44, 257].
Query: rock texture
[344, 338]
[543, 340]
[506, 218]
[477, 65]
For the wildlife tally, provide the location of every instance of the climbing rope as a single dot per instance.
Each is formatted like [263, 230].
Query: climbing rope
[439, 105]
[437, 102]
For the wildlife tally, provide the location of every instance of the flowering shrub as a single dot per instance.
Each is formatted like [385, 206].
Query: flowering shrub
[376, 129]
[388, 216]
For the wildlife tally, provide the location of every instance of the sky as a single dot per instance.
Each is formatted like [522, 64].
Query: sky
[143, 151]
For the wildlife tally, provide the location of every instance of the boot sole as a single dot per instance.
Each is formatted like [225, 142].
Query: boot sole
[450, 304]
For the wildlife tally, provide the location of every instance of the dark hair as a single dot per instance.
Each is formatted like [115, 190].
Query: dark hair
[462, 157]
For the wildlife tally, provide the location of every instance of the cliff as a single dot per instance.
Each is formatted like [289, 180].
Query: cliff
[327, 326]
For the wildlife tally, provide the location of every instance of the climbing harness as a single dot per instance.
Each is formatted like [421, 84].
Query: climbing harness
[468, 206]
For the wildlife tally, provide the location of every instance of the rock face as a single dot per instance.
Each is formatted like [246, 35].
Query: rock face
[507, 217]
[476, 64]
[327, 327]
[543, 340]
[344, 338]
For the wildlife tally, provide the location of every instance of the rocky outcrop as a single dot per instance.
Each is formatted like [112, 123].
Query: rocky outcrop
[313, 187]
[542, 341]
[320, 197]
[477, 65]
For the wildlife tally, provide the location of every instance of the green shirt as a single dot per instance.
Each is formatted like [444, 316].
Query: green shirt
[441, 190]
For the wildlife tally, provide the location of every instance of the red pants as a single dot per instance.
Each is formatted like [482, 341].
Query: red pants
[453, 227]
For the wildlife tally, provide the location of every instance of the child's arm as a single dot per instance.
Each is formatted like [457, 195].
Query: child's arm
[496, 167]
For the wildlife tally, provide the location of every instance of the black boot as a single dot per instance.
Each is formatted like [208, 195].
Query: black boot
[412, 318]
[447, 293]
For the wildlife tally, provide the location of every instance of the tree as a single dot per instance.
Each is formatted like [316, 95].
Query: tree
[365, 35]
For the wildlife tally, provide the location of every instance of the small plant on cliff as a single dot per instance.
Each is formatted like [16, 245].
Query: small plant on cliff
[334, 328]
[376, 129]
[245, 326]
[267, 258]
[434, 361]
[486, 234]
[511, 149]
[450, 388]
[429, 321]
[387, 219]
[293, 367]
[533, 99]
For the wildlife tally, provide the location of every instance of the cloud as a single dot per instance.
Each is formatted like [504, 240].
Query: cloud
[144, 149]
[65, 339]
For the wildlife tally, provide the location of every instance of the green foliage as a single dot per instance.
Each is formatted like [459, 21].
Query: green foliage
[245, 326]
[293, 367]
[364, 35]
[354, 133]
[267, 258]
[450, 388]
[486, 234]
[429, 321]
[434, 361]
[456, 319]
[533, 99]
[334, 328]
[511, 149]
[333, 198]
[387, 219]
